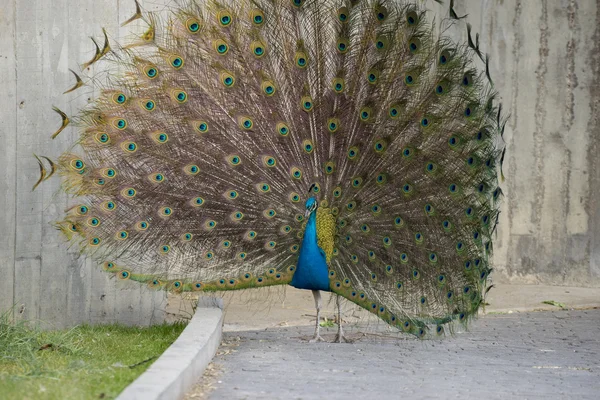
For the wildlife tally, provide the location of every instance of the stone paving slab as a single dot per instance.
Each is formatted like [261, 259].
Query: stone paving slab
[543, 355]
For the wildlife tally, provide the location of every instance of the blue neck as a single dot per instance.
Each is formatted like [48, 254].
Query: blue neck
[311, 270]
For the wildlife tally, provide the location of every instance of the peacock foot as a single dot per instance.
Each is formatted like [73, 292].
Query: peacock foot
[316, 339]
[340, 338]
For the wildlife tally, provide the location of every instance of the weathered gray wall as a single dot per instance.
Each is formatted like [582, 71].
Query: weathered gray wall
[39, 41]
[545, 59]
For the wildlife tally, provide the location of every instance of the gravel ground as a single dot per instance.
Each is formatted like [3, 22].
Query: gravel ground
[550, 355]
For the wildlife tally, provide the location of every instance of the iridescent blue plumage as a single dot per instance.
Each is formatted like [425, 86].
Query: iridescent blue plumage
[311, 269]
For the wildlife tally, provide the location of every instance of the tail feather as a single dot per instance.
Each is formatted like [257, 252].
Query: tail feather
[198, 159]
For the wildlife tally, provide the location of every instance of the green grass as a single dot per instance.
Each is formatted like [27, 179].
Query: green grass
[85, 362]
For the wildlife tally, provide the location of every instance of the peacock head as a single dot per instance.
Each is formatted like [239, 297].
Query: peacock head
[311, 205]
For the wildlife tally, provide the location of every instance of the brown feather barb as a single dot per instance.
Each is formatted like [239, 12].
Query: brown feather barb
[65, 122]
[79, 82]
[137, 15]
[43, 173]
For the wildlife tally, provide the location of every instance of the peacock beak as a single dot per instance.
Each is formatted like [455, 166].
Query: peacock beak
[307, 213]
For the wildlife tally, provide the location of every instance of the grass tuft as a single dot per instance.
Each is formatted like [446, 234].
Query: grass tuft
[84, 362]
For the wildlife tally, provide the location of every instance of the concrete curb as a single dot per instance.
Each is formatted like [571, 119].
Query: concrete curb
[178, 368]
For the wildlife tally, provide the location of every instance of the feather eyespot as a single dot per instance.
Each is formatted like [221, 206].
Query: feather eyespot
[446, 225]
[329, 167]
[245, 123]
[102, 138]
[398, 222]
[308, 146]
[180, 96]
[93, 222]
[224, 18]
[333, 124]
[192, 25]
[129, 146]
[412, 18]
[343, 14]
[414, 45]
[119, 98]
[342, 45]
[380, 146]
[269, 161]
[220, 47]
[197, 201]
[176, 62]
[122, 235]
[365, 114]
[296, 173]
[372, 76]
[353, 152]
[270, 213]
[301, 59]
[257, 17]
[129, 192]
[282, 129]
[156, 178]
[381, 43]
[258, 48]
[467, 79]
[381, 13]
[338, 85]
[160, 137]
[234, 160]
[419, 237]
[165, 211]
[307, 103]
[108, 172]
[227, 79]
[191, 169]
[210, 224]
[268, 88]
[151, 71]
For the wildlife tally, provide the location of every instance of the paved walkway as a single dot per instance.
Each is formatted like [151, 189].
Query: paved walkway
[549, 355]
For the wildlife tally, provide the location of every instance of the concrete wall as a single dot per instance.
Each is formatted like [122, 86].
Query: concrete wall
[545, 58]
[545, 61]
[39, 41]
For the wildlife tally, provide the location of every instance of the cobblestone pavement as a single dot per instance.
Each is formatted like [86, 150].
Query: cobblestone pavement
[550, 355]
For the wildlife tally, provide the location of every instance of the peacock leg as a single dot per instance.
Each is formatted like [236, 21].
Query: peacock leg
[339, 338]
[317, 337]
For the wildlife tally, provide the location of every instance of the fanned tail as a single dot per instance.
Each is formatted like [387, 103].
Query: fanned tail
[198, 158]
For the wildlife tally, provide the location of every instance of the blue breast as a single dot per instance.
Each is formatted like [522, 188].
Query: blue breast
[311, 270]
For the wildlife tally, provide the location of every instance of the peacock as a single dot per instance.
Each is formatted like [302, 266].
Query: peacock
[331, 145]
